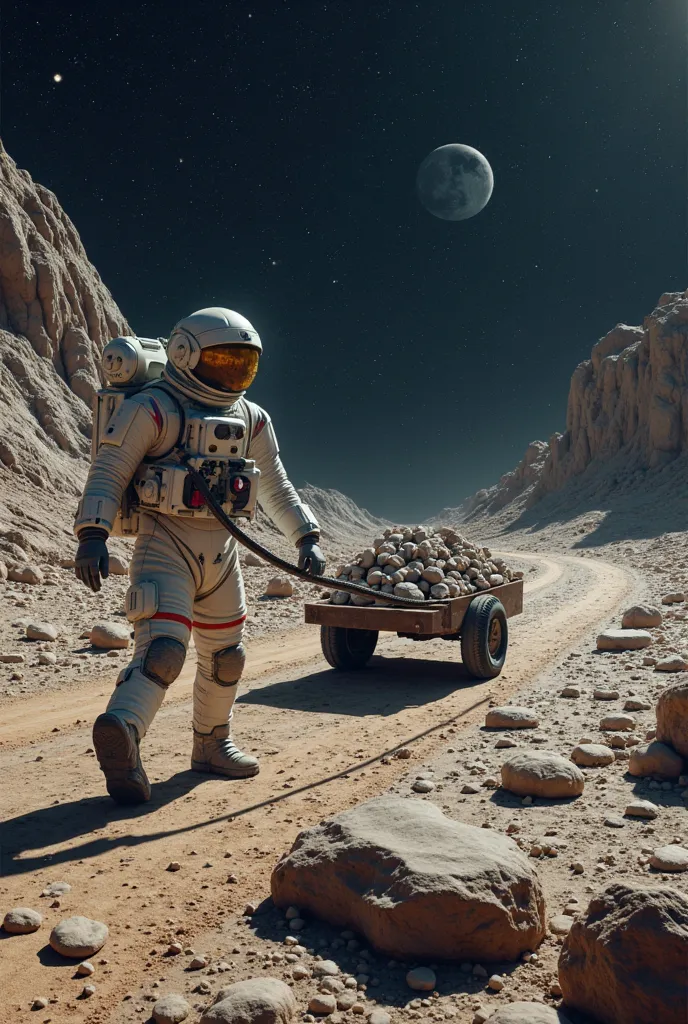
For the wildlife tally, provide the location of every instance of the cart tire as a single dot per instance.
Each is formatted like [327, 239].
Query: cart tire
[484, 637]
[347, 649]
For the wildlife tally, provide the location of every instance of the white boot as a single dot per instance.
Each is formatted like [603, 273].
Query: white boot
[217, 753]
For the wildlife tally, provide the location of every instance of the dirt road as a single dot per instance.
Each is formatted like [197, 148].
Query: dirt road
[320, 736]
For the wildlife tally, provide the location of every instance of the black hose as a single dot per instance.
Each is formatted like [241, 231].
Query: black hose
[293, 570]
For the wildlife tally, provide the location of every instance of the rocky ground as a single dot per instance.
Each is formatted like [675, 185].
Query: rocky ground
[199, 941]
[60, 600]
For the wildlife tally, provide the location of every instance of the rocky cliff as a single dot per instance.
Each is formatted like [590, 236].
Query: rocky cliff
[55, 316]
[627, 412]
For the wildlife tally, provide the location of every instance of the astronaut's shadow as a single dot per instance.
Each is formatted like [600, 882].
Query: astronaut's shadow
[384, 687]
[60, 823]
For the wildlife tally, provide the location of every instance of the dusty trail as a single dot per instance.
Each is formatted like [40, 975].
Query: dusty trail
[320, 737]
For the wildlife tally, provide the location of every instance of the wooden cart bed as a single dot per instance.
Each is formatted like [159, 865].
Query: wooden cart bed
[440, 620]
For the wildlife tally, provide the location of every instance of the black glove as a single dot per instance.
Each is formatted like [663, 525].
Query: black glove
[92, 561]
[311, 557]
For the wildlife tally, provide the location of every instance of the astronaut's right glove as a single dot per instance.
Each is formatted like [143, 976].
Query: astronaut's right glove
[92, 562]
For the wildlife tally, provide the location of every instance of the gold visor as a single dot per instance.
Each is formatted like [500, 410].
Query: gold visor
[227, 367]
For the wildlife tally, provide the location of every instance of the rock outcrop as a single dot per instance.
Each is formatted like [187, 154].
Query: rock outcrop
[626, 960]
[629, 400]
[415, 883]
[55, 317]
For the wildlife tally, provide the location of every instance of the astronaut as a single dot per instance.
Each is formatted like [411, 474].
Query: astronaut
[185, 575]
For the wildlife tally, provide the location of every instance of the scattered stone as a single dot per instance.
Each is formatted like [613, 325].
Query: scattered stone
[560, 924]
[346, 1000]
[379, 1017]
[87, 991]
[26, 574]
[674, 663]
[624, 961]
[57, 889]
[78, 937]
[655, 758]
[279, 586]
[496, 983]
[110, 636]
[614, 821]
[85, 969]
[423, 786]
[606, 694]
[677, 598]
[174, 865]
[504, 742]
[171, 1009]
[383, 868]
[527, 1013]
[12, 659]
[641, 616]
[403, 753]
[421, 979]
[592, 755]
[642, 809]
[39, 1003]
[670, 858]
[47, 658]
[253, 560]
[543, 773]
[637, 704]
[21, 921]
[570, 691]
[325, 969]
[199, 962]
[623, 640]
[672, 718]
[511, 718]
[41, 631]
[255, 1001]
[618, 723]
[322, 1003]
[470, 789]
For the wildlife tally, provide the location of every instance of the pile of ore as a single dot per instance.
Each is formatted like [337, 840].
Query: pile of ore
[408, 562]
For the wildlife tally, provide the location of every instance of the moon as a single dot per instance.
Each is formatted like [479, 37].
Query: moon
[454, 182]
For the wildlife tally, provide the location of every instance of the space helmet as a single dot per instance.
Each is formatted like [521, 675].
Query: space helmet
[212, 356]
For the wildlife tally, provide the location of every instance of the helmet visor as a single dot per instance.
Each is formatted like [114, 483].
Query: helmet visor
[227, 367]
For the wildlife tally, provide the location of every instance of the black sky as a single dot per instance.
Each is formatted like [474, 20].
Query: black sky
[263, 156]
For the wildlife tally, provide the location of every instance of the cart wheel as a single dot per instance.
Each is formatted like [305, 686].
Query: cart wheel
[347, 648]
[484, 637]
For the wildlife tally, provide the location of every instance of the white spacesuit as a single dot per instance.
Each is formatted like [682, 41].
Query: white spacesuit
[185, 574]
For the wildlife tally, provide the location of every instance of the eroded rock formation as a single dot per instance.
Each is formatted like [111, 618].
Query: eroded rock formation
[629, 399]
[55, 316]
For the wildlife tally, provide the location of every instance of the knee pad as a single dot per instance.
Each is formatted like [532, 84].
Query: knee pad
[164, 660]
[228, 664]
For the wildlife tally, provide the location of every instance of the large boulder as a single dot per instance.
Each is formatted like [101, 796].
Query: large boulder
[22, 920]
[110, 636]
[415, 883]
[78, 937]
[255, 1001]
[542, 773]
[672, 717]
[511, 717]
[626, 960]
[171, 1009]
[623, 640]
[655, 758]
[641, 616]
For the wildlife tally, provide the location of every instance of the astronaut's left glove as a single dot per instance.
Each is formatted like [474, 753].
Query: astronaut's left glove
[311, 557]
[92, 562]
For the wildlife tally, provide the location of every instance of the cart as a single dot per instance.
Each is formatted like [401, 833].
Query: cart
[349, 632]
